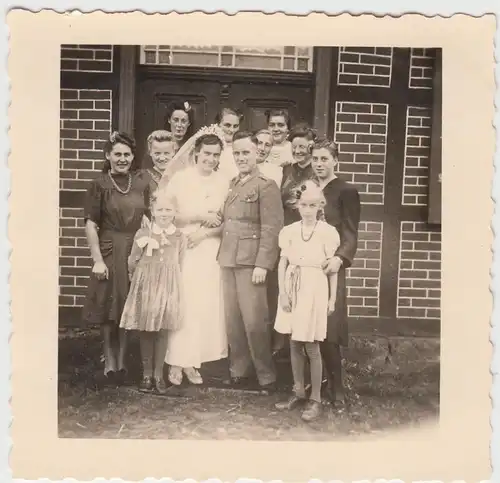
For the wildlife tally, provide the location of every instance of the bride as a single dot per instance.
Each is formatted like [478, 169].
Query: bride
[198, 191]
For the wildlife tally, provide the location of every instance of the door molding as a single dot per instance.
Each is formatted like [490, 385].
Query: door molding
[217, 74]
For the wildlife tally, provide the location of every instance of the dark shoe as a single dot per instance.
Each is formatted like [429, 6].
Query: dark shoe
[268, 388]
[146, 384]
[109, 379]
[121, 377]
[160, 385]
[237, 381]
[293, 403]
[312, 412]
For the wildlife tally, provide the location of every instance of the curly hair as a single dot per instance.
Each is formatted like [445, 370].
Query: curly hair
[327, 144]
[228, 110]
[117, 137]
[279, 112]
[303, 131]
[185, 107]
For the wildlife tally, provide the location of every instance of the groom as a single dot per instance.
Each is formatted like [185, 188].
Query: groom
[252, 220]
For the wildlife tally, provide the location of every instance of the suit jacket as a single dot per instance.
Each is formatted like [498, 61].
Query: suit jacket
[252, 220]
[342, 210]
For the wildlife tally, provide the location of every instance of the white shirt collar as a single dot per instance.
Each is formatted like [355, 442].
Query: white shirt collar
[170, 230]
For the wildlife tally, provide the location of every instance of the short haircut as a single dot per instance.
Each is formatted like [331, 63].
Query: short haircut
[244, 135]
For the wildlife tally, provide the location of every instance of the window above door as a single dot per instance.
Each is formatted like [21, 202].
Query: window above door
[280, 58]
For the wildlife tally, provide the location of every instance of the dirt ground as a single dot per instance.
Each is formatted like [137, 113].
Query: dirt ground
[384, 391]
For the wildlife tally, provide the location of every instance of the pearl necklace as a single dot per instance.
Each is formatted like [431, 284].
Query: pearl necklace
[117, 188]
[302, 231]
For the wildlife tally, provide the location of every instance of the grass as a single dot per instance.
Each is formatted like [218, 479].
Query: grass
[384, 391]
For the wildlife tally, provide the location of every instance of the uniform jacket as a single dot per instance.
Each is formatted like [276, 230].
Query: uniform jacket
[252, 220]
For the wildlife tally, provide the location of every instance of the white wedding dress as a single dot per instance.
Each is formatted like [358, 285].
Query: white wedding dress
[202, 338]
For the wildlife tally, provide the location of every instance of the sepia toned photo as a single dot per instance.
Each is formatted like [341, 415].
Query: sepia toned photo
[200, 297]
[254, 245]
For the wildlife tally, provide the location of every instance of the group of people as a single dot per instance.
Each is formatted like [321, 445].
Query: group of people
[230, 244]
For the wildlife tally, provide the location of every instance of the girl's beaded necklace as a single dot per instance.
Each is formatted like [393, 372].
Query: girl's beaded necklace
[117, 188]
[310, 235]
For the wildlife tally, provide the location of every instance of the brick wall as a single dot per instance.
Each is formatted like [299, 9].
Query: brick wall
[419, 288]
[417, 151]
[421, 68]
[363, 278]
[85, 125]
[87, 58]
[361, 134]
[365, 66]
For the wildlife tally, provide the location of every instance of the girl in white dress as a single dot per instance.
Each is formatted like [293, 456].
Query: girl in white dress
[229, 122]
[199, 192]
[307, 295]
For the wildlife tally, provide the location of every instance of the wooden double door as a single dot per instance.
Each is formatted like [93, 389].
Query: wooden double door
[209, 95]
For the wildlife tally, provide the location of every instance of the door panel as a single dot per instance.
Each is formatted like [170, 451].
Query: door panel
[154, 97]
[209, 96]
[255, 99]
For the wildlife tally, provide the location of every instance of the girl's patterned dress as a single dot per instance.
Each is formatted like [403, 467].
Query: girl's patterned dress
[305, 281]
[155, 300]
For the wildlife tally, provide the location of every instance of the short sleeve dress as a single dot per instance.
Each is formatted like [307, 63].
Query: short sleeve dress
[155, 300]
[305, 281]
[118, 217]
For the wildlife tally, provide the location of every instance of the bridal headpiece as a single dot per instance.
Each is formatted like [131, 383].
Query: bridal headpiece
[213, 129]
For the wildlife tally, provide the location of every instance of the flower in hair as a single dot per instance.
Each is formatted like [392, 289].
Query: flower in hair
[187, 106]
[112, 136]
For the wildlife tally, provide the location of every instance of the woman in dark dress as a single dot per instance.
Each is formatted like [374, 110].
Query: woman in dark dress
[115, 204]
[301, 139]
[342, 210]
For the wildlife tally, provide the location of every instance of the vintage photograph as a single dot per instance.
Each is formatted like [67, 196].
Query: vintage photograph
[249, 241]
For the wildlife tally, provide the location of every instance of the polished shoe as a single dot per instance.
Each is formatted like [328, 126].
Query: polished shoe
[160, 385]
[146, 385]
[293, 403]
[194, 377]
[312, 411]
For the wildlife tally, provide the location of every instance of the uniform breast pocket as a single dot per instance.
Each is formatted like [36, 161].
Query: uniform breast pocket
[248, 247]
[250, 206]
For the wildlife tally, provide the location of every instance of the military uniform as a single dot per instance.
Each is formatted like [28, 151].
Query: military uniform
[253, 218]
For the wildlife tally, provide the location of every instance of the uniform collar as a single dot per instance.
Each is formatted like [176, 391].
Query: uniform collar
[247, 177]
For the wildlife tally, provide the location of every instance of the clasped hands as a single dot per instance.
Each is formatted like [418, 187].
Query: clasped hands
[211, 219]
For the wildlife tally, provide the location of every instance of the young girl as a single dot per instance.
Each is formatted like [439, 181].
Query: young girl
[155, 302]
[307, 295]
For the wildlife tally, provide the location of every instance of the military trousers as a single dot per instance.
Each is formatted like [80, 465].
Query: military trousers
[248, 326]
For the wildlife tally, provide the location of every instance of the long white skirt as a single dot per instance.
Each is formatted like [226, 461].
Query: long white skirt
[202, 338]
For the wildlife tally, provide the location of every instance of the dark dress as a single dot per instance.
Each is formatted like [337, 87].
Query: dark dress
[118, 217]
[293, 177]
[342, 210]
